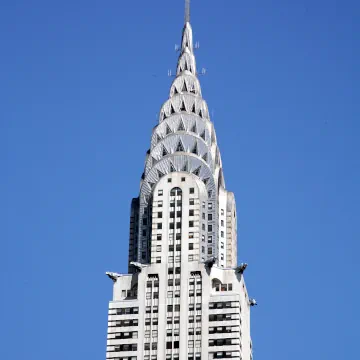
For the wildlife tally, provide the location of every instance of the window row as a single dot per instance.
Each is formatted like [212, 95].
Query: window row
[223, 287]
[197, 318]
[223, 304]
[171, 308]
[176, 319]
[223, 342]
[197, 343]
[196, 331]
[127, 335]
[155, 321]
[125, 347]
[223, 317]
[223, 329]
[192, 293]
[126, 311]
[153, 346]
[150, 284]
[176, 191]
[191, 356]
[224, 355]
[155, 295]
[192, 307]
[123, 323]
[172, 345]
[148, 333]
[154, 309]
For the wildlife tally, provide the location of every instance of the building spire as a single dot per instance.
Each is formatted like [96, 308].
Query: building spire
[187, 11]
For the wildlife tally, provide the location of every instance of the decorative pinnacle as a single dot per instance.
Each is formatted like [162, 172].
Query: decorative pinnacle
[187, 11]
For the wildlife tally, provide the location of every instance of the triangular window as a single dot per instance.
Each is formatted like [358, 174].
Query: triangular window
[168, 130]
[195, 150]
[154, 161]
[151, 185]
[160, 174]
[193, 91]
[206, 181]
[172, 111]
[203, 135]
[164, 115]
[185, 167]
[193, 110]
[197, 171]
[181, 126]
[205, 157]
[182, 107]
[180, 146]
[194, 129]
[175, 91]
[164, 151]
[200, 113]
[184, 89]
[172, 168]
[185, 67]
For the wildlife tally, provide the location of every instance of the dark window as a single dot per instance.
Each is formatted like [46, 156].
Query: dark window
[183, 179]
[191, 246]
[169, 180]
[154, 346]
[176, 344]
[177, 307]
[171, 247]
[159, 214]
[158, 237]
[192, 190]
[169, 308]
[192, 202]
[177, 283]
[178, 247]
[177, 270]
[209, 216]
[159, 225]
[209, 228]
[191, 224]
[169, 345]
[147, 346]
[191, 212]
[170, 282]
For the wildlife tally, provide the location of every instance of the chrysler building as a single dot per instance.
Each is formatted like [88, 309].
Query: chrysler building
[184, 297]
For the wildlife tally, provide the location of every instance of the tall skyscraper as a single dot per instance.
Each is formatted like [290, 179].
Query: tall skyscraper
[184, 297]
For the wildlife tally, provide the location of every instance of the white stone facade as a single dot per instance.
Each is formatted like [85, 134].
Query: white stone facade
[185, 298]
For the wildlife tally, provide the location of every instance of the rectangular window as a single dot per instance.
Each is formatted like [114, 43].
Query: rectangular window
[160, 193]
[210, 239]
[177, 307]
[177, 282]
[191, 246]
[209, 251]
[158, 260]
[191, 212]
[155, 321]
[198, 343]
[176, 344]
[155, 295]
[191, 201]
[230, 287]
[209, 217]
[209, 228]
[158, 248]
[191, 331]
[222, 212]
[170, 282]
[198, 331]
[192, 190]
[209, 206]
[191, 307]
[182, 179]
[158, 237]
[177, 293]
[148, 310]
[159, 226]
[160, 214]
[160, 203]
[169, 180]
[191, 235]
[176, 320]
[191, 224]
[198, 318]
[191, 344]
[169, 308]
[222, 234]
[222, 222]
[191, 258]
[169, 294]
[168, 332]
[191, 319]
[147, 333]
[222, 245]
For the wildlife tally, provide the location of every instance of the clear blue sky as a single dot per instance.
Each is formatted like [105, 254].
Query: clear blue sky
[81, 84]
